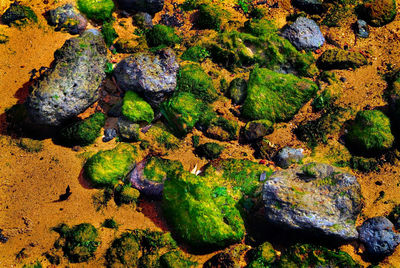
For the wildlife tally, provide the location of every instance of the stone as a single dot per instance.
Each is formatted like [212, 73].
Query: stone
[361, 28]
[288, 156]
[18, 14]
[67, 18]
[309, 6]
[72, 84]
[127, 130]
[304, 34]
[255, 130]
[336, 58]
[143, 20]
[237, 90]
[109, 134]
[315, 199]
[148, 6]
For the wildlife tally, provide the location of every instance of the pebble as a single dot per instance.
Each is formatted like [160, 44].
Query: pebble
[109, 134]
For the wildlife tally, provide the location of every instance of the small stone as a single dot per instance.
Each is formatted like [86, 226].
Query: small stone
[362, 29]
[109, 134]
[143, 20]
[67, 18]
[127, 130]
[288, 156]
[257, 129]
[237, 90]
[304, 34]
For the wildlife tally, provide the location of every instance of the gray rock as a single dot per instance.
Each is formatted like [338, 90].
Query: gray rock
[288, 156]
[140, 182]
[315, 198]
[362, 29]
[148, 6]
[71, 85]
[304, 34]
[127, 130]
[237, 90]
[309, 6]
[143, 20]
[153, 76]
[109, 134]
[379, 237]
[255, 130]
[67, 18]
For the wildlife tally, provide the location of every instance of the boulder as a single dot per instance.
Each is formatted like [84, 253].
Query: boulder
[288, 156]
[67, 18]
[237, 90]
[127, 130]
[304, 34]
[336, 58]
[18, 14]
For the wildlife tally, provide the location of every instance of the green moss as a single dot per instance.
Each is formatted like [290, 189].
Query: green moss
[193, 79]
[136, 109]
[105, 168]
[237, 90]
[110, 223]
[309, 170]
[36, 264]
[364, 164]
[336, 58]
[202, 214]
[79, 243]
[109, 33]
[30, 145]
[162, 137]
[323, 100]
[196, 54]
[174, 259]
[124, 251]
[221, 129]
[210, 150]
[97, 9]
[274, 96]
[263, 256]
[370, 133]
[210, 17]
[84, 132]
[125, 194]
[162, 35]
[158, 169]
[18, 15]
[195, 140]
[379, 12]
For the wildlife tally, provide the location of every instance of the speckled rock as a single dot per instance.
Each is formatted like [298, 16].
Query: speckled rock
[148, 6]
[67, 18]
[288, 156]
[72, 84]
[127, 130]
[153, 76]
[315, 198]
[379, 237]
[361, 28]
[304, 34]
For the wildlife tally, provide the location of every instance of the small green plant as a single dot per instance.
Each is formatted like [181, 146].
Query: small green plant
[110, 223]
[101, 198]
[109, 68]
[109, 33]
[244, 5]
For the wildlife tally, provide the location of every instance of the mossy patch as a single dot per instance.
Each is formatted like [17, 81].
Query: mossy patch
[174, 259]
[379, 12]
[263, 256]
[125, 194]
[364, 164]
[109, 33]
[158, 169]
[18, 15]
[97, 9]
[162, 35]
[210, 17]
[196, 54]
[136, 109]
[163, 138]
[336, 58]
[209, 150]
[30, 145]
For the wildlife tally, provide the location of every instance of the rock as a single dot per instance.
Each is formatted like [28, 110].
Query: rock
[176, 258]
[18, 14]
[309, 6]
[116, 110]
[148, 6]
[379, 12]
[274, 96]
[221, 129]
[109, 134]
[72, 84]
[237, 90]
[3, 238]
[222, 260]
[361, 28]
[304, 34]
[263, 256]
[143, 20]
[100, 10]
[265, 149]
[67, 18]
[255, 130]
[125, 194]
[315, 198]
[370, 134]
[379, 237]
[162, 35]
[127, 130]
[153, 76]
[340, 59]
[127, 46]
[210, 17]
[288, 156]
[136, 109]
[210, 150]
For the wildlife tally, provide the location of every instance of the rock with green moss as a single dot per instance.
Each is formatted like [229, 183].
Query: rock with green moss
[255, 130]
[36, 264]
[336, 58]
[162, 35]
[193, 79]
[106, 168]
[379, 12]
[174, 259]
[196, 54]
[210, 17]
[370, 133]
[124, 251]
[209, 150]
[67, 18]
[274, 96]
[30, 145]
[18, 14]
[79, 243]
[125, 194]
[97, 9]
[109, 33]
[84, 132]
[220, 128]
[201, 213]
[263, 256]
[364, 164]
[237, 90]
[127, 130]
[136, 109]
[160, 137]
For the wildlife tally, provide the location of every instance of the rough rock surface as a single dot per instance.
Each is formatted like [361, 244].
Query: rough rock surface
[309, 6]
[379, 237]
[71, 85]
[148, 6]
[153, 76]
[304, 34]
[288, 156]
[315, 198]
[67, 18]
[149, 188]
[127, 130]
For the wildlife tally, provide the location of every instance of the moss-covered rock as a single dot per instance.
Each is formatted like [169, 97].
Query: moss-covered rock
[257, 129]
[125, 194]
[336, 58]
[195, 53]
[210, 150]
[97, 9]
[193, 79]
[364, 164]
[263, 256]
[79, 243]
[202, 214]
[222, 129]
[105, 168]
[379, 12]
[159, 137]
[84, 132]
[274, 96]
[124, 251]
[18, 14]
[237, 90]
[136, 109]
[109, 33]
[162, 35]
[30, 145]
[158, 169]
[174, 259]
[370, 133]
[210, 17]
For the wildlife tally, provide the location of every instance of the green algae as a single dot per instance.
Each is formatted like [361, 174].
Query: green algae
[97, 9]
[209, 150]
[136, 109]
[195, 54]
[210, 17]
[109, 33]
[162, 35]
[125, 194]
[336, 58]
[158, 169]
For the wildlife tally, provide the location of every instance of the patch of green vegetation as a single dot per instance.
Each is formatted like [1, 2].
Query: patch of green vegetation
[109, 68]
[79, 243]
[210, 17]
[245, 5]
[221, 128]
[136, 109]
[193, 79]
[209, 150]
[190, 5]
[126, 194]
[102, 197]
[370, 133]
[36, 264]
[30, 145]
[337, 12]
[97, 9]
[158, 169]
[195, 140]
[323, 100]
[105, 168]
[162, 35]
[196, 54]
[163, 138]
[174, 259]
[110, 223]
[84, 132]
[364, 164]
[274, 96]
[263, 256]
[336, 58]
[309, 170]
[109, 33]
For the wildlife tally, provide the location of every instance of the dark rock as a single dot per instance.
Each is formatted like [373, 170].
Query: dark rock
[18, 14]
[336, 58]
[127, 130]
[361, 29]
[3, 238]
[257, 129]
[153, 76]
[237, 90]
[220, 260]
[379, 237]
[109, 134]
[148, 6]
[116, 110]
[71, 85]
[304, 34]
[315, 199]
[143, 20]
[265, 149]
[171, 20]
[309, 6]
[288, 156]
[210, 150]
[67, 18]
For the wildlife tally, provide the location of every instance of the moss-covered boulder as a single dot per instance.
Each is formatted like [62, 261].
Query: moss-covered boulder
[174, 259]
[255, 130]
[162, 35]
[79, 243]
[209, 150]
[161, 139]
[136, 109]
[109, 33]
[125, 194]
[193, 79]
[202, 214]
[263, 256]
[222, 129]
[18, 14]
[336, 58]
[106, 168]
[379, 12]
[210, 17]
[124, 251]
[97, 9]
[370, 133]
[195, 53]
[237, 90]
[84, 132]
[274, 96]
